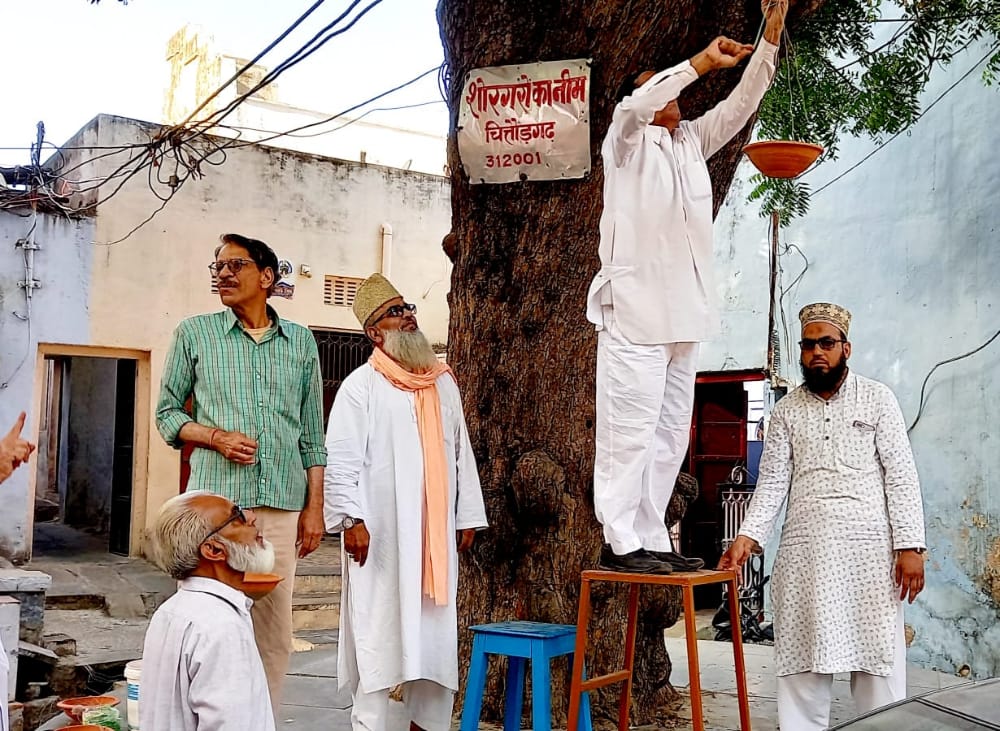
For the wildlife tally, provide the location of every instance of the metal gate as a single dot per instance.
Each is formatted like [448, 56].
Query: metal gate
[340, 353]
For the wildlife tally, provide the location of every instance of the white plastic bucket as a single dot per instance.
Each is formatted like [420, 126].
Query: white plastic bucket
[133, 674]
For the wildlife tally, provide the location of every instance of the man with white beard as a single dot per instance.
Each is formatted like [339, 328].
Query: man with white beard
[201, 670]
[401, 484]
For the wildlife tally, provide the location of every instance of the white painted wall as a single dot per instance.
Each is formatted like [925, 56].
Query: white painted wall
[59, 314]
[322, 212]
[908, 243]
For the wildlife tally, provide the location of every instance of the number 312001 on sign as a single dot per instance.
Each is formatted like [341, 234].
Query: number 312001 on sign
[513, 159]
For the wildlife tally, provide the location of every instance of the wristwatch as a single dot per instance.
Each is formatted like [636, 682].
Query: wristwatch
[348, 523]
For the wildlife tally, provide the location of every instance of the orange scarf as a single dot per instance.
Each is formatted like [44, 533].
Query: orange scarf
[431, 430]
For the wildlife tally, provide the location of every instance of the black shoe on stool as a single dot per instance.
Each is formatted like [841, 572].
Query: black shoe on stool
[678, 562]
[636, 562]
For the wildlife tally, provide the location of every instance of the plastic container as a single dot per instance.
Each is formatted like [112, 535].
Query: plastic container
[133, 674]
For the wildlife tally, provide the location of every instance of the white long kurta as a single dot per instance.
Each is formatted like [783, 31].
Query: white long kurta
[846, 471]
[390, 632]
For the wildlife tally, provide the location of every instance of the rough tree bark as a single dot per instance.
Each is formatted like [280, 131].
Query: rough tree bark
[519, 343]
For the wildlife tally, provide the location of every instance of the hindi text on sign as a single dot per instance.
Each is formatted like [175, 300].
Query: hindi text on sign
[567, 88]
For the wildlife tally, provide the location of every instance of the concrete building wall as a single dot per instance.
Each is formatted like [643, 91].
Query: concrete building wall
[59, 314]
[324, 213]
[907, 241]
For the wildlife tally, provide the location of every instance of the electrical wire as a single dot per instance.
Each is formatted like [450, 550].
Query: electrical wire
[868, 54]
[866, 21]
[855, 166]
[250, 64]
[27, 317]
[345, 112]
[334, 129]
[923, 388]
[296, 58]
[139, 225]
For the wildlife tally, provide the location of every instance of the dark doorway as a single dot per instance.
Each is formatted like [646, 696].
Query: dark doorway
[340, 352]
[717, 456]
[121, 471]
[85, 467]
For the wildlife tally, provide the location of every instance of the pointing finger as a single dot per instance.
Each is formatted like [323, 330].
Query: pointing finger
[15, 431]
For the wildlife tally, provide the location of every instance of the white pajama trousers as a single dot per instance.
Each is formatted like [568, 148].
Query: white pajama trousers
[427, 704]
[645, 395]
[804, 698]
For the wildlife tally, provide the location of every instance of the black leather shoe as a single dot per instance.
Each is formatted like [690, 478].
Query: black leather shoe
[636, 562]
[678, 562]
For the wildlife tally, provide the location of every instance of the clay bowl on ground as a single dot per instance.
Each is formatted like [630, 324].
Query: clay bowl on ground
[257, 586]
[782, 158]
[74, 707]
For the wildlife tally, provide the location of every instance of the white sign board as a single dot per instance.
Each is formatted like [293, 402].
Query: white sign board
[526, 122]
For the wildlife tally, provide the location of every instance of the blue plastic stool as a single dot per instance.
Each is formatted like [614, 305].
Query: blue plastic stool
[520, 641]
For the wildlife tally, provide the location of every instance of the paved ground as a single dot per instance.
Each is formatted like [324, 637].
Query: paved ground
[312, 702]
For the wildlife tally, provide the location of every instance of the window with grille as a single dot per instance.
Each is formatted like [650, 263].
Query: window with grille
[215, 283]
[340, 291]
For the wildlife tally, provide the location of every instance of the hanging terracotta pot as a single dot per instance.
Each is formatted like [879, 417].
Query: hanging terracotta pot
[782, 158]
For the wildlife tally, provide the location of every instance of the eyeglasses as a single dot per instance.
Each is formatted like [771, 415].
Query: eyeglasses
[236, 514]
[397, 311]
[808, 344]
[235, 265]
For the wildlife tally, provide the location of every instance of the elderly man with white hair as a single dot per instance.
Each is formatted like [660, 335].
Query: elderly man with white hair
[201, 668]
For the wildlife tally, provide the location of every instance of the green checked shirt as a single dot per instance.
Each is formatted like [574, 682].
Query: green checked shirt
[270, 391]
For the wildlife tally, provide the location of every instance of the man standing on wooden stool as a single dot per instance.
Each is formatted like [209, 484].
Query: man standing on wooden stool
[852, 544]
[653, 299]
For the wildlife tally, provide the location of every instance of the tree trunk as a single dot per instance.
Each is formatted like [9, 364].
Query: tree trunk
[523, 352]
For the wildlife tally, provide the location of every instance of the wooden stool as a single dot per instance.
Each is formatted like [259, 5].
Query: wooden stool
[687, 581]
[520, 641]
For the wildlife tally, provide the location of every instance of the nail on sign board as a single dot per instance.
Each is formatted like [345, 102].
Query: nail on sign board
[526, 122]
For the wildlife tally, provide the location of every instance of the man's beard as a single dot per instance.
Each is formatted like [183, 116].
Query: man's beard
[250, 559]
[411, 350]
[819, 381]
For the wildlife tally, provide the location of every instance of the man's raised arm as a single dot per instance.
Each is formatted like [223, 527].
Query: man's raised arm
[721, 123]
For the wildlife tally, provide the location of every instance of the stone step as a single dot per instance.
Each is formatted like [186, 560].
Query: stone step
[317, 582]
[315, 611]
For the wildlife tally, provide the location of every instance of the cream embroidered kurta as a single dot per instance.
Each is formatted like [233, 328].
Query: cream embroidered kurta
[390, 632]
[845, 471]
[201, 670]
[656, 228]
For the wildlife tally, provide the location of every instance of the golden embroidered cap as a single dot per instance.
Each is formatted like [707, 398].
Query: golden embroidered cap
[372, 294]
[833, 314]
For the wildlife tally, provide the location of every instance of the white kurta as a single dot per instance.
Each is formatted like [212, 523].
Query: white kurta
[390, 632]
[845, 469]
[656, 228]
[200, 667]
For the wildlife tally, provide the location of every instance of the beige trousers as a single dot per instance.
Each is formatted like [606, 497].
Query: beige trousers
[272, 615]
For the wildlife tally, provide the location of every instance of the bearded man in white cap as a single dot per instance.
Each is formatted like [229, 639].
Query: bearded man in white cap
[401, 485]
[837, 457]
